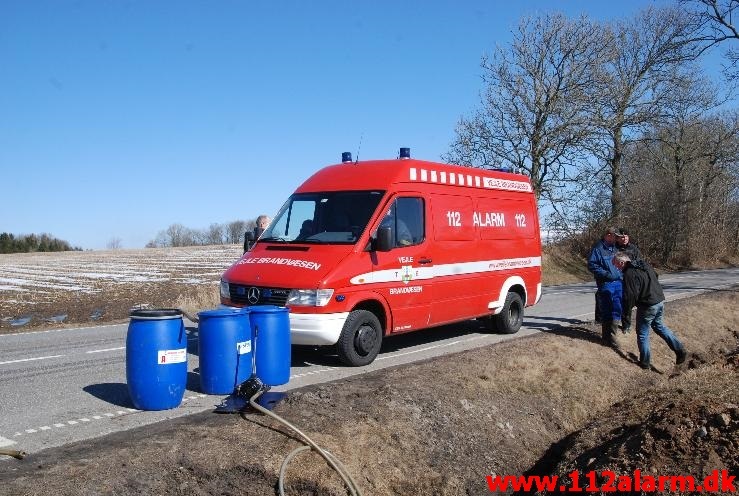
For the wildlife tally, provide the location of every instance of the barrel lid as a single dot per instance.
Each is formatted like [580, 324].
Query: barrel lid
[267, 309]
[223, 312]
[156, 313]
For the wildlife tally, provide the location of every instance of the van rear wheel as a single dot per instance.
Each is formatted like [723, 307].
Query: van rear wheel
[509, 320]
[360, 339]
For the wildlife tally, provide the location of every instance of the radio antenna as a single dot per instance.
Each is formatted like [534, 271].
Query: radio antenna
[359, 147]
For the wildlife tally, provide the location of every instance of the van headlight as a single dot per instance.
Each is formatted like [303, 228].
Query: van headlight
[310, 297]
[225, 293]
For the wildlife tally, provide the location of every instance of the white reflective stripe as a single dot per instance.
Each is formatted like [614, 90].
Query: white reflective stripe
[473, 181]
[443, 270]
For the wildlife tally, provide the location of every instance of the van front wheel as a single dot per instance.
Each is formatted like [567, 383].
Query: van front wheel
[509, 320]
[360, 339]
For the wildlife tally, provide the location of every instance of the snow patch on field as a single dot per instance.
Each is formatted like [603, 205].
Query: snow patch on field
[95, 271]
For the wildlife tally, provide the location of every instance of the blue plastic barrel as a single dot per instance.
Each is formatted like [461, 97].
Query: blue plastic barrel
[156, 359]
[270, 328]
[224, 346]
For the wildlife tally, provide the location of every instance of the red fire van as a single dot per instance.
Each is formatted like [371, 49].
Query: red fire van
[364, 250]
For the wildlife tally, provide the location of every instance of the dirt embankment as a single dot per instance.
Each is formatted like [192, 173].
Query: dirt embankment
[548, 404]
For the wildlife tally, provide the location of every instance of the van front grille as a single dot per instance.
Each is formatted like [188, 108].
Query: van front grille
[257, 295]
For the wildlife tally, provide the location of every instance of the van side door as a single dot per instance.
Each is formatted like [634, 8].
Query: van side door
[403, 274]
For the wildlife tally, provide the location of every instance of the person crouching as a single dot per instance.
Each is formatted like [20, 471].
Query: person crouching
[642, 289]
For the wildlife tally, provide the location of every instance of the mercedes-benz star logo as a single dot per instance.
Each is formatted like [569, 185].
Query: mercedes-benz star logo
[253, 295]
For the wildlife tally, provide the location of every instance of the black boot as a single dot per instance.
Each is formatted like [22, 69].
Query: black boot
[608, 333]
[680, 356]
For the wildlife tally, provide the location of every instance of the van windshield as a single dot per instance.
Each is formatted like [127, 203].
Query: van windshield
[334, 217]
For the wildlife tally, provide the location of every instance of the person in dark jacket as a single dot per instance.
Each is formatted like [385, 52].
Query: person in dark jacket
[624, 244]
[608, 280]
[642, 289]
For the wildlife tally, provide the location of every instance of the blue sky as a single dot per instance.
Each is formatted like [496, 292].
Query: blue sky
[119, 118]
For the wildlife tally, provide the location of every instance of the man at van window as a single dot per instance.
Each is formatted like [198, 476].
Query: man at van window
[608, 280]
[262, 223]
[401, 234]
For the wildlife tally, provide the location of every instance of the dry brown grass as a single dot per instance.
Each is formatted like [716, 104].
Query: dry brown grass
[198, 298]
[562, 267]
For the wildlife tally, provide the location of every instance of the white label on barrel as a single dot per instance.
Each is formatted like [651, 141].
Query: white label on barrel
[243, 347]
[172, 356]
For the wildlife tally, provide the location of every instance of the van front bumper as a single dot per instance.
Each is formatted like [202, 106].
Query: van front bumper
[316, 329]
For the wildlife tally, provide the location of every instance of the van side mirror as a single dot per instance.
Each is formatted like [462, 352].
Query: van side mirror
[248, 240]
[384, 239]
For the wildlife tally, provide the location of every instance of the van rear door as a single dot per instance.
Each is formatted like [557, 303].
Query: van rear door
[457, 290]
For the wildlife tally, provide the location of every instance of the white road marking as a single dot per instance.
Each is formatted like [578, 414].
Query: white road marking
[444, 345]
[5, 442]
[31, 359]
[59, 330]
[297, 376]
[107, 349]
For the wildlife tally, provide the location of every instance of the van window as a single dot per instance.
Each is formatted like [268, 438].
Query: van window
[406, 218]
[334, 217]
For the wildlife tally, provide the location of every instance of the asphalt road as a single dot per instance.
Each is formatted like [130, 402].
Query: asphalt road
[66, 385]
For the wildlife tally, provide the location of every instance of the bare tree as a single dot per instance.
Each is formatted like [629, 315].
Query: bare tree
[716, 20]
[161, 240]
[534, 114]
[215, 234]
[114, 243]
[639, 79]
[179, 235]
[681, 182]
[235, 231]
